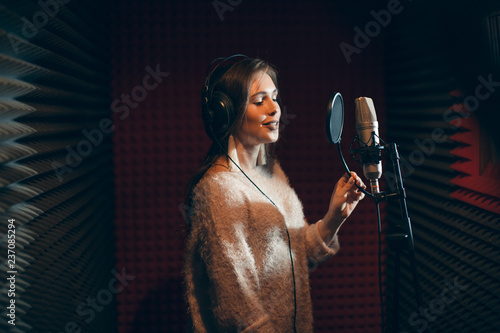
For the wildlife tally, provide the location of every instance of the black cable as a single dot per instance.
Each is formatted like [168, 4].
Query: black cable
[286, 228]
[368, 194]
[208, 98]
[382, 317]
[382, 312]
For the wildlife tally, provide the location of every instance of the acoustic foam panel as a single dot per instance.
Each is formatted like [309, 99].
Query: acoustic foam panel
[55, 185]
[456, 244]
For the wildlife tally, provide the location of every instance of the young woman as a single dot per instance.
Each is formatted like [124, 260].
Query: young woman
[246, 222]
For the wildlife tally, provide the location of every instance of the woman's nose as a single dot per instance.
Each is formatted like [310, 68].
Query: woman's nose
[273, 108]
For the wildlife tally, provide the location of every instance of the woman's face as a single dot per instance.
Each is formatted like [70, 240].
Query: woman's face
[261, 123]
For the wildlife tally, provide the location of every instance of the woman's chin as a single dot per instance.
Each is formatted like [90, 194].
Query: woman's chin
[260, 139]
[271, 139]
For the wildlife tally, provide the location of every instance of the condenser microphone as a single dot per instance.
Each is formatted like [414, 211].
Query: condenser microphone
[369, 143]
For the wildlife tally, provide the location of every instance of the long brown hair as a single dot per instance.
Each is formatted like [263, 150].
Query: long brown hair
[236, 82]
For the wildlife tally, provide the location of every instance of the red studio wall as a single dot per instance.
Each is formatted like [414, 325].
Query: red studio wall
[160, 51]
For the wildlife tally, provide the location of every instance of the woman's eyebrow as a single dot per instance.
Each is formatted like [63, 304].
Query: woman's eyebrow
[263, 93]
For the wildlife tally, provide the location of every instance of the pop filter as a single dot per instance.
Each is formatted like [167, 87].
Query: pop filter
[335, 118]
[334, 126]
[335, 123]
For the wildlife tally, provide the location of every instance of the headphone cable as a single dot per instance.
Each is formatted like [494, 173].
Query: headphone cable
[286, 228]
[207, 96]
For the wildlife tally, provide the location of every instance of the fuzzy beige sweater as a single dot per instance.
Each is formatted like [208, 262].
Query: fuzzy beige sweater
[238, 270]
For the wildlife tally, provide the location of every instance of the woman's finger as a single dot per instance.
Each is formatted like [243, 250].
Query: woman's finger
[359, 182]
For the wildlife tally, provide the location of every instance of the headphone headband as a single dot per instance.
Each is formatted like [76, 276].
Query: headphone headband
[208, 88]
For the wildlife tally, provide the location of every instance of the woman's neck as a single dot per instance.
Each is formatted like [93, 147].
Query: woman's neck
[247, 155]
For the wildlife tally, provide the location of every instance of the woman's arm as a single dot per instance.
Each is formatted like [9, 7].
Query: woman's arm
[345, 198]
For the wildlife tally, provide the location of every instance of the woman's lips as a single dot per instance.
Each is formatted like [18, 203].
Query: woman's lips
[273, 125]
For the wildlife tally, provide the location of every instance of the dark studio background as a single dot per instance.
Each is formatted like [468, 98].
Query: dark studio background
[117, 203]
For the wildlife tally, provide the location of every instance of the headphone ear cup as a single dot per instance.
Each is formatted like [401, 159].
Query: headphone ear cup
[222, 111]
[206, 113]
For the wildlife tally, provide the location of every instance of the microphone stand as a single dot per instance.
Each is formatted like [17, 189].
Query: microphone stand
[399, 235]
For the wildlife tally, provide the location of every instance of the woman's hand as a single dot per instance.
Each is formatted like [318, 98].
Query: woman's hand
[345, 198]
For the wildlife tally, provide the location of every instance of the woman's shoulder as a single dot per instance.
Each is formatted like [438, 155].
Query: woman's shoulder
[219, 179]
[218, 183]
[220, 165]
[278, 173]
[216, 194]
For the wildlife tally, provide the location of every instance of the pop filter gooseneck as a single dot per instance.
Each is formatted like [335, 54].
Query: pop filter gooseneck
[334, 126]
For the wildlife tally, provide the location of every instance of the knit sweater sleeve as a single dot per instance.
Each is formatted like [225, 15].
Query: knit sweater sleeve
[220, 221]
[316, 249]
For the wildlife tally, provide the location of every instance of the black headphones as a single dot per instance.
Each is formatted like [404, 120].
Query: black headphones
[218, 109]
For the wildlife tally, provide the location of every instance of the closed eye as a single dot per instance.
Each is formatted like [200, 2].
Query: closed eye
[259, 102]
[259, 98]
